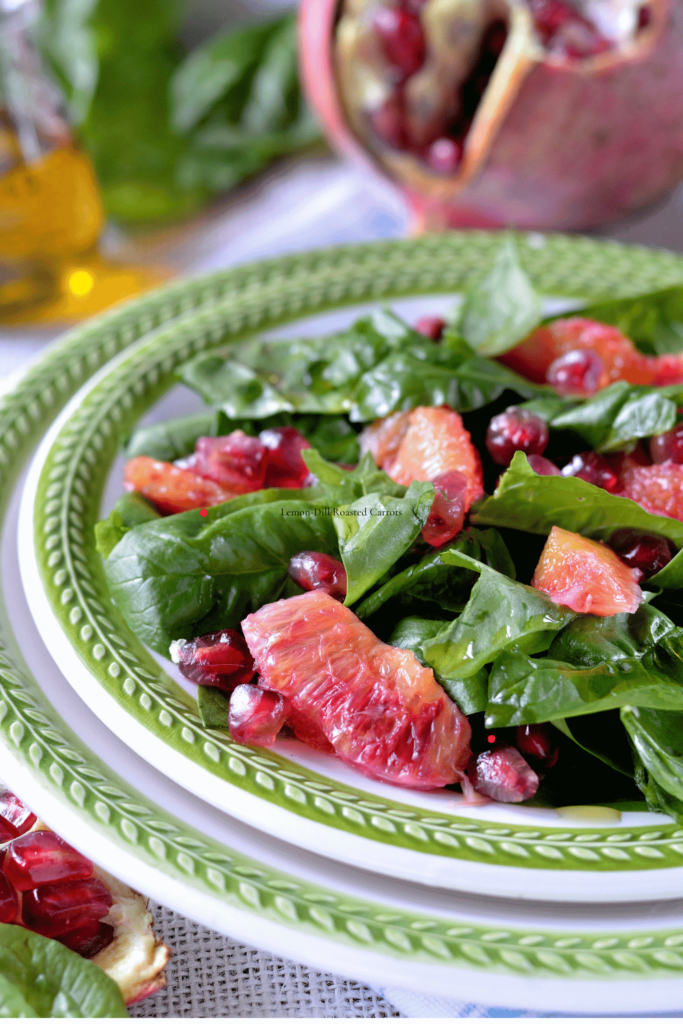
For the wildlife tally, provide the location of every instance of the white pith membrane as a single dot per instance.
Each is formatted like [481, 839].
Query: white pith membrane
[454, 30]
[135, 958]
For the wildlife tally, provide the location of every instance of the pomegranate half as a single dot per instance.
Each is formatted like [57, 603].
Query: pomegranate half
[548, 114]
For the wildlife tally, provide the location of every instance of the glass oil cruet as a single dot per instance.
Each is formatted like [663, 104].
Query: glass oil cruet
[51, 213]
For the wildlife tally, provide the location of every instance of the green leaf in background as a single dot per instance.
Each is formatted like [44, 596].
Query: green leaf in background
[375, 530]
[185, 575]
[503, 307]
[499, 615]
[657, 737]
[525, 501]
[214, 705]
[654, 322]
[40, 977]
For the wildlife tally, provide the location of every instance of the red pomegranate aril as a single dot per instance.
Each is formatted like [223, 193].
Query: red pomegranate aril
[388, 121]
[644, 17]
[515, 430]
[431, 326]
[9, 903]
[53, 910]
[14, 814]
[313, 570]
[445, 155]
[537, 741]
[641, 551]
[42, 857]
[216, 659]
[256, 716]
[402, 38]
[593, 468]
[543, 466]
[502, 774]
[89, 940]
[668, 447]
[579, 372]
[236, 461]
[286, 467]
[447, 514]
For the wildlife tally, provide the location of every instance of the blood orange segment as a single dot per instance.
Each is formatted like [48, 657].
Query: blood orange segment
[658, 488]
[585, 575]
[423, 444]
[171, 488]
[379, 708]
[621, 359]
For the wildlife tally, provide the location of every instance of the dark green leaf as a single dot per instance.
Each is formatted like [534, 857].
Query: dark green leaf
[503, 307]
[173, 439]
[186, 575]
[214, 706]
[525, 501]
[657, 737]
[375, 530]
[411, 632]
[130, 510]
[654, 321]
[601, 735]
[40, 977]
[344, 486]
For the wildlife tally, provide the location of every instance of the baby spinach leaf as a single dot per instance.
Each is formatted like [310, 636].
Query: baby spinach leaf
[618, 415]
[343, 485]
[525, 501]
[375, 530]
[176, 438]
[503, 307]
[500, 614]
[185, 575]
[214, 705]
[657, 737]
[410, 633]
[653, 321]
[129, 511]
[40, 977]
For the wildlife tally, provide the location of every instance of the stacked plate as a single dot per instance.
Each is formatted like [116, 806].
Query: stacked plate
[287, 849]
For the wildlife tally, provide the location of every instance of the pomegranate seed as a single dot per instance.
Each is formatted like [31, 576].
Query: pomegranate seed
[431, 326]
[314, 571]
[65, 907]
[503, 775]
[40, 857]
[8, 901]
[644, 17]
[593, 468]
[641, 551]
[564, 31]
[447, 514]
[256, 716]
[89, 940]
[237, 461]
[543, 466]
[402, 38]
[445, 156]
[388, 121]
[14, 814]
[668, 447]
[286, 467]
[495, 36]
[579, 372]
[536, 741]
[215, 659]
[515, 430]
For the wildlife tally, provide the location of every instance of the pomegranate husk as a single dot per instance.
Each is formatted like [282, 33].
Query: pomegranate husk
[554, 144]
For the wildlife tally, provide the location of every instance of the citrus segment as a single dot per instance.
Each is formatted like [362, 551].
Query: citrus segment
[658, 488]
[171, 488]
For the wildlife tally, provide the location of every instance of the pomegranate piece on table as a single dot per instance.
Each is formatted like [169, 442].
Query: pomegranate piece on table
[9, 904]
[447, 514]
[502, 774]
[381, 710]
[219, 659]
[39, 857]
[89, 940]
[594, 469]
[585, 575]
[642, 552]
[54, 909]
[313, 570]
[516, 430]
[256, 716]
[14, 815]
[172, 488]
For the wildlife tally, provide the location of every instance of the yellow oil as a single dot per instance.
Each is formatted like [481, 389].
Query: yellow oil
[51, 217]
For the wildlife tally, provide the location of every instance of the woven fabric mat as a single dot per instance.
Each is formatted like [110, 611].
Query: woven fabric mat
[210, 975]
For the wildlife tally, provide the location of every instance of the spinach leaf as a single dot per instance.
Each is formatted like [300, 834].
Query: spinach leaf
[525, 501]
[345, 485]
[410, 633]
[595, 664]
[601, 735]
[657, 738]
[503, 307]
[214, 705]
[185, 575]
[500, 614]
[375, 530]
[40, 977]
[130, 510]
[620, 414]
[435, 581]
[176, 438]
[653, 321]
